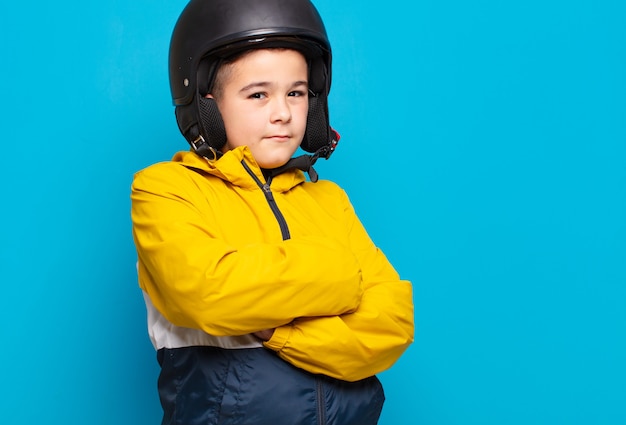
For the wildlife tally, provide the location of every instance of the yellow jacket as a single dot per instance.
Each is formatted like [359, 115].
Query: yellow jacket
[218, 253]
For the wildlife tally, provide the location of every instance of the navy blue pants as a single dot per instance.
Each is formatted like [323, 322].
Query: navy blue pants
[214, 386]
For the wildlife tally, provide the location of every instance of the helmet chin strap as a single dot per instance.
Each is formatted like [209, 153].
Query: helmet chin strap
[306, 162]
[303, 162]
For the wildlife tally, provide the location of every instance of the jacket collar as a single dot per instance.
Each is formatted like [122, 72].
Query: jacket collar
[229, 168]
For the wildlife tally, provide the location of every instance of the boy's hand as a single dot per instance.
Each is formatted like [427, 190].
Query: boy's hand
[264, 335]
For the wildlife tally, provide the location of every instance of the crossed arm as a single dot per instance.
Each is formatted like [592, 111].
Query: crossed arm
[326, 305]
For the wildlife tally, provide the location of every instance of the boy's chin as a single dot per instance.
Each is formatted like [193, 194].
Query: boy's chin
[269, 165]
[273, 161]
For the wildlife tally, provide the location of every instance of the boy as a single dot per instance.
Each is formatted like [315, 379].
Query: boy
[267, 301]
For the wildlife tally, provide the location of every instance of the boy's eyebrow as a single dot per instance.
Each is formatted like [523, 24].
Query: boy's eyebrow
[264, 84]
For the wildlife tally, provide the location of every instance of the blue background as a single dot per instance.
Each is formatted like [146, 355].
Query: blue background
[484, 147]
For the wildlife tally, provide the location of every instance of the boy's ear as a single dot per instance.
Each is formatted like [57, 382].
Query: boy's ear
[209, 96]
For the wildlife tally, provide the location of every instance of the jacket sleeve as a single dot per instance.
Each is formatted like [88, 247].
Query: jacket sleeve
[199, 281]
[359, 344]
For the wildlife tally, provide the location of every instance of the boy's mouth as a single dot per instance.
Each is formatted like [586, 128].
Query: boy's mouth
[279, 137]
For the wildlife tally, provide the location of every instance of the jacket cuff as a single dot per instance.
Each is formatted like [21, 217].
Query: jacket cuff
[279, 338]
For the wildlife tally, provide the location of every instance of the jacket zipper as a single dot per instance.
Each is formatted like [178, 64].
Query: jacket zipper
[321, 414]
[269, 196]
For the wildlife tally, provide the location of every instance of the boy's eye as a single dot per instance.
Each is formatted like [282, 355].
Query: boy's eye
[257, 95]
[297, 93]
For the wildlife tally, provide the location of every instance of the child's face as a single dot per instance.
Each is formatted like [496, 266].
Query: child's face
[264, 104]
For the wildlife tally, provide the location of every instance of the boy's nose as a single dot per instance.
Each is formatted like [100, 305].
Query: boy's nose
[281, 111]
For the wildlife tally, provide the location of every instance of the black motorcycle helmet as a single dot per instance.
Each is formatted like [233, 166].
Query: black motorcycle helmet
[211, 31]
